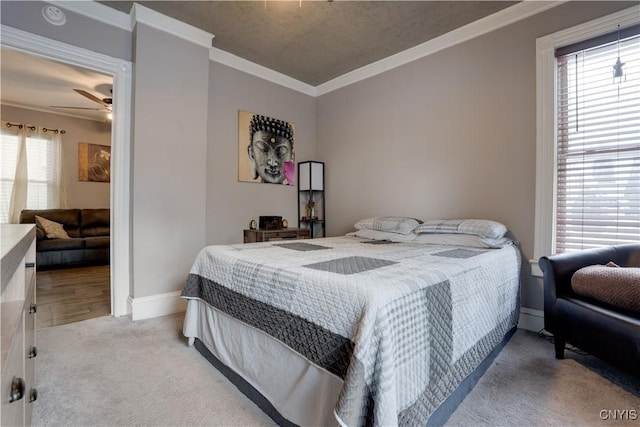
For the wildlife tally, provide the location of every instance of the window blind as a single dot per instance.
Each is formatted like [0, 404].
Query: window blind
[41, 159]
[598, 146]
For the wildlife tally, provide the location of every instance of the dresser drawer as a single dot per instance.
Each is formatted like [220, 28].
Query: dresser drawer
[13, 412]
[281, 235]
[251, 236]
[17, 324]
[30, 352]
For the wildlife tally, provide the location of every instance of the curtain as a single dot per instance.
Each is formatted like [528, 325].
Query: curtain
[12, 148]
[32, 160]
[47, 186]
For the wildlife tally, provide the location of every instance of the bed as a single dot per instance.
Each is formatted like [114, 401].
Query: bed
[354, 330]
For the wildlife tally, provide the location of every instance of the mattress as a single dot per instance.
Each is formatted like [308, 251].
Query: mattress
[351, 331]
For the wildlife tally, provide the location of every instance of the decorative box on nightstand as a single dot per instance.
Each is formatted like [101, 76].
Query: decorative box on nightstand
[251, 236]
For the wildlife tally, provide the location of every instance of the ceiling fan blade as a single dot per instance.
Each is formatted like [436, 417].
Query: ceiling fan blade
[92, 97]
[77, 108]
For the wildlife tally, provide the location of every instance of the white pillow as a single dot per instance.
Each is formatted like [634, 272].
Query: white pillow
[383, 235]
[469, 240]
[479, 227]
[391, 224]
[52, 229]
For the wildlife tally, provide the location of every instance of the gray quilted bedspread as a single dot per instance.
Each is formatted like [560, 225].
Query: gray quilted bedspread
[402, 324]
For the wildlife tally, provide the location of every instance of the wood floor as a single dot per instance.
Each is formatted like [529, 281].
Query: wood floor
[72, 294]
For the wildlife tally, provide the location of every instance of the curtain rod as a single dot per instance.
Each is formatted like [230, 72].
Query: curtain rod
[62, 131]
[32, 128]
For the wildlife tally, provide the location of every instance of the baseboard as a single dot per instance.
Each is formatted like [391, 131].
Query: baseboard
[156, 305]
[531, 319]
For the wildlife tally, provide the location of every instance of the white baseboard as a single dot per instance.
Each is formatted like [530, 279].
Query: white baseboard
[531, 319]
[156, 305]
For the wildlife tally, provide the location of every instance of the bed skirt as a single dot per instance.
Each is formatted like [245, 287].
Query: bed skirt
[200, 313]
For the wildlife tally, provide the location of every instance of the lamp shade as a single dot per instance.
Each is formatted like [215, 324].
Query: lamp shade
[311, 175]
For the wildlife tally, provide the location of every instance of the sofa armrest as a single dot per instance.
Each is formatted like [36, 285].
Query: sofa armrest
[559, 268]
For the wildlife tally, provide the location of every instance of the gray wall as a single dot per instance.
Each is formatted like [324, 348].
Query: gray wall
[451, 135]
[232, 204]
[79, 194]
[78, 30]
[169, 162]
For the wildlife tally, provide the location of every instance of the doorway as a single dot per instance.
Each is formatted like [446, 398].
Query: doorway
[120, 71]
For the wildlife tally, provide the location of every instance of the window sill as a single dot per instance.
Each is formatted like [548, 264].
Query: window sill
[535, 268]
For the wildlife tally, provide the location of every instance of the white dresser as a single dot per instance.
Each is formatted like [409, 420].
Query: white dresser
[17, 311]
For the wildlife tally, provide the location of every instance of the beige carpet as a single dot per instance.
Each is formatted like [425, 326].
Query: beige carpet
[114, 372]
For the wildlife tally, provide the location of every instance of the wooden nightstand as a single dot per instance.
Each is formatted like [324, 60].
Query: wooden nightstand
[251, 236]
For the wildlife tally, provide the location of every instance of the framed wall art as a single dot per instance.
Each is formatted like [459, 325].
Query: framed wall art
[94, 162]
[265, 149]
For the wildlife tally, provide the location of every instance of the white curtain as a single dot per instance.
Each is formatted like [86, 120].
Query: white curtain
[13, 141]
[32, 169]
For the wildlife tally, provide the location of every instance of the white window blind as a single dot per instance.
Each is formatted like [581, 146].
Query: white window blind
[598, 144]
[41, 169]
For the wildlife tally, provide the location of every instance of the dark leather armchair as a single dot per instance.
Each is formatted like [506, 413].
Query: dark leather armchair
[605, 331]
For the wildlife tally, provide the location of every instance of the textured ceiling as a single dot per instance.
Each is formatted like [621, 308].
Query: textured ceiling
[313, 43]
[316, 41]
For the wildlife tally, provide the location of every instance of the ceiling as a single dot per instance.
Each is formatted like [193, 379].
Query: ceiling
[316, 41]
[33, 82]
[311, 41]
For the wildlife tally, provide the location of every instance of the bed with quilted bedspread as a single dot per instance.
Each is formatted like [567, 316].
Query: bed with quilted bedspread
[352, 331]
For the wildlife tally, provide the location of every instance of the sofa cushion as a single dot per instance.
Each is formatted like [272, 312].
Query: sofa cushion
[59, 244]
[52, 229]
[90, 218]
[96, 242]
[618, 286]
[95, 232]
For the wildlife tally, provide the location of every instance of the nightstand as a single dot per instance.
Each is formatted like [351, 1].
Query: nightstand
[251, 236]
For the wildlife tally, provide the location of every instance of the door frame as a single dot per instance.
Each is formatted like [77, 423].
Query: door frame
[120, 206]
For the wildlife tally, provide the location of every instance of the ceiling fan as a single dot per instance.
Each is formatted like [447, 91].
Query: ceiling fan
[106, 103]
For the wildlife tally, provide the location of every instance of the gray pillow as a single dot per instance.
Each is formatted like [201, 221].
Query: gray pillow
[391, 224]
[479, 227]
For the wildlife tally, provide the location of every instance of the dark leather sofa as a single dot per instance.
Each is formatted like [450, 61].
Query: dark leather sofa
[89, 243]
[603, 330]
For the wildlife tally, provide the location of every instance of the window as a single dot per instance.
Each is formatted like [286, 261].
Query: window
[43, 189]
[598, 142]
[588, 137]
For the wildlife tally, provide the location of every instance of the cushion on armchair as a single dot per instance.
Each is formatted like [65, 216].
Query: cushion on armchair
[618, 286]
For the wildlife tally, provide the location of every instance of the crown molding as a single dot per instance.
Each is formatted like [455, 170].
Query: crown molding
[474, 29]
[47, 110]
[138, 13]
[99, 12]
[605, 24]
[185, 31]
[265, 73]
[144, 15]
